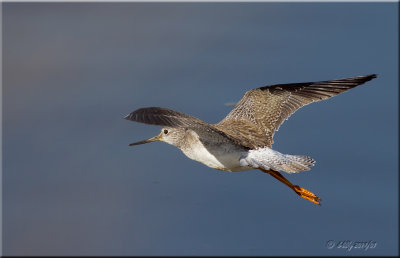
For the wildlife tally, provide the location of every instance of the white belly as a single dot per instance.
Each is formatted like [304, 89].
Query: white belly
[222, 158]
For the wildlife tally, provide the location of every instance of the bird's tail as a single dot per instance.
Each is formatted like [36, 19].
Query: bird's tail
[297, 163]
[267, 158]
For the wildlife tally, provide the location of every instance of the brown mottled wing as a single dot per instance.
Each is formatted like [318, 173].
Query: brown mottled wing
[261, 111]
[171, 118]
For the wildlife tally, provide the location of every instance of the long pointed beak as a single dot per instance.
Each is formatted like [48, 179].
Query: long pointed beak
[154, 139]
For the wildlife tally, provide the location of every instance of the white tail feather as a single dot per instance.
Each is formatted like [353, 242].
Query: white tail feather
[267, 158]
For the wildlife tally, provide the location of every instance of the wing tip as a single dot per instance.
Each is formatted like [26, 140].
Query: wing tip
[132, 116]
[369, 77]
[137, 115]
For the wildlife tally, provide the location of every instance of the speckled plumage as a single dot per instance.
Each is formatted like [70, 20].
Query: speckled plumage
[260, 112]
[244, 138]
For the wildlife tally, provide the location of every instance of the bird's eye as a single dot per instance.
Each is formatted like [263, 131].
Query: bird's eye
[165, 131]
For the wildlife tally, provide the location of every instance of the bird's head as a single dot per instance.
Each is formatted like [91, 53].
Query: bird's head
[169, 135]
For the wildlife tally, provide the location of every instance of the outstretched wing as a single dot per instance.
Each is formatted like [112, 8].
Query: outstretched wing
[164, 117]
[171, 118]
[264, 109]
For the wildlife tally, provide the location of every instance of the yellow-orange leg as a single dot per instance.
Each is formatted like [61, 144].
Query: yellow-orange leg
[297, 189]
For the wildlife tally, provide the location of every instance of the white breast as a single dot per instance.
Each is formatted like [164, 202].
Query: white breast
[223, 157]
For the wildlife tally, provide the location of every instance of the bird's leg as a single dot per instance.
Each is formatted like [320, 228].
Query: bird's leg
[299, 190]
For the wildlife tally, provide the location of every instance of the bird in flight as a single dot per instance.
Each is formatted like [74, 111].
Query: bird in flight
[243, 139]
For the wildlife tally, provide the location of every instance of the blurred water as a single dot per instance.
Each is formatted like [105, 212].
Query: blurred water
[73, 186]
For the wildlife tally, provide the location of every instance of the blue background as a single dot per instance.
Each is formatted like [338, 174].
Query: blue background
[73, 186]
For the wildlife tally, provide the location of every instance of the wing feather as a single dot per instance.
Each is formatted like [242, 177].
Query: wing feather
[171, 118]
[163, 117]
[266, 108]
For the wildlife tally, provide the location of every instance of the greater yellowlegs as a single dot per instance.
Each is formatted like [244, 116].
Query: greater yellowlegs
[243, 139]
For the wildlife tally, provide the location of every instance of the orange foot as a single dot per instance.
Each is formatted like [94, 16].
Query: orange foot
[306, 194]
